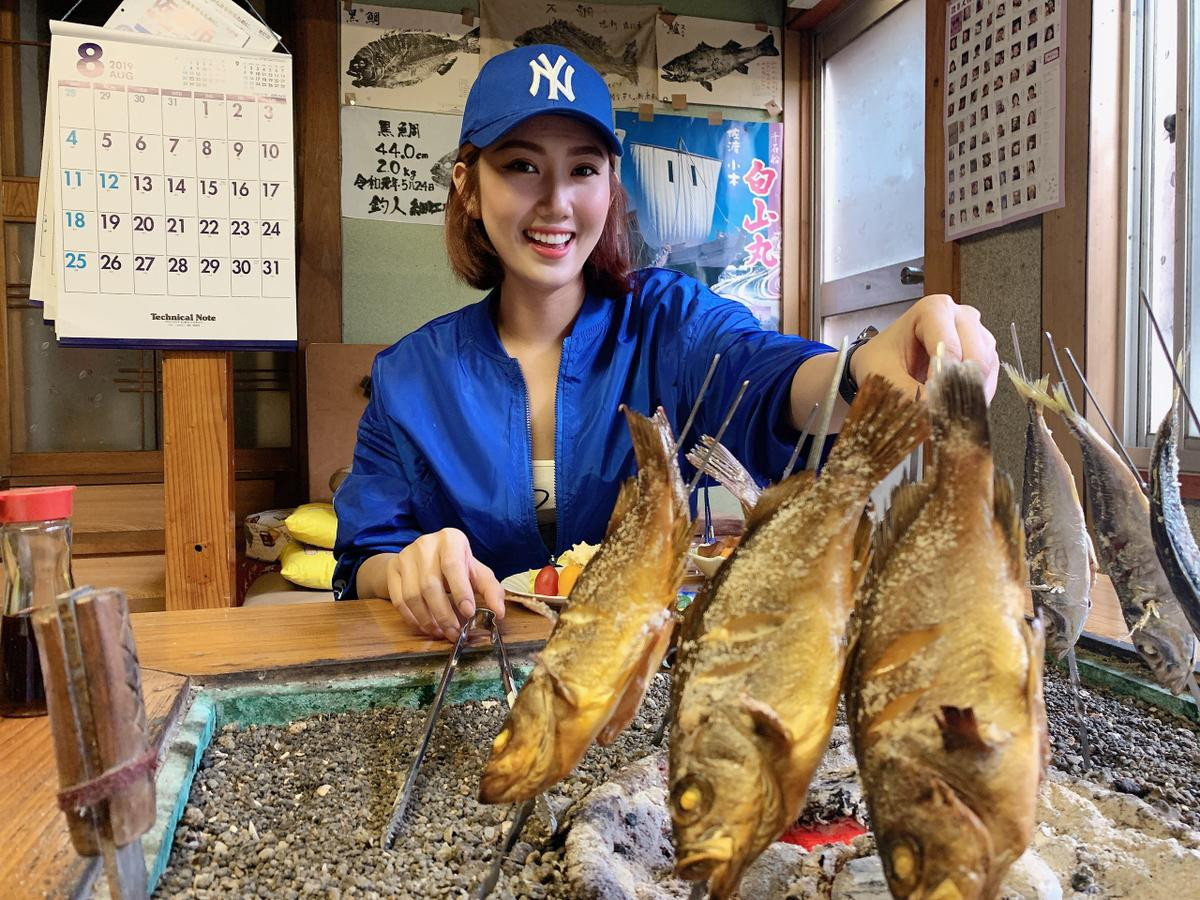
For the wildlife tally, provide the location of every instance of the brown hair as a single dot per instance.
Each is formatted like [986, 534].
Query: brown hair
[475, 261]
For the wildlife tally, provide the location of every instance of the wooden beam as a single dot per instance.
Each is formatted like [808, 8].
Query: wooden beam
[198, 477]
[941, 256]
[1065, 230]
[808, 19]
[796, 302]
[318, 172]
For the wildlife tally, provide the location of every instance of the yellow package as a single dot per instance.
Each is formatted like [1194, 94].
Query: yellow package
[313, 523]
[308, 566]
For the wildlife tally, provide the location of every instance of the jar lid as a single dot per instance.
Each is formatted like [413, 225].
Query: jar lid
[36, 504]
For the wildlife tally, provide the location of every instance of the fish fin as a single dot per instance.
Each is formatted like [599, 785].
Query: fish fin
[883, 426]
[729, 472]
[742, 69]
[635, 688]
[447, 65]
[1008, 515]
[732, 45]
[626, 498]
[652, 441]
[1035, 640]
[960, 730]
[959, 404]
[1036, 394]
[908, 499]
[767, 46]
[768, 724]
[863, 544]
[561, 688]
[770, 500]
[707, 85]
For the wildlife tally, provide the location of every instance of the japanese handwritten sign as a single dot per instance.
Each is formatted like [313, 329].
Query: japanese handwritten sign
[396, 165]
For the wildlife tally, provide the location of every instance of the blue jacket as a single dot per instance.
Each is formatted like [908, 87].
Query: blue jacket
[445, 439]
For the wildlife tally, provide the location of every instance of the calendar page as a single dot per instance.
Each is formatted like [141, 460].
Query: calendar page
[173, 192]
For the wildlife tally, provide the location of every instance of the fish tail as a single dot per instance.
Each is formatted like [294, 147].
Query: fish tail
[1035, 393]
[1062, 405]
[959, 404]
[767, 46]
[883, 426]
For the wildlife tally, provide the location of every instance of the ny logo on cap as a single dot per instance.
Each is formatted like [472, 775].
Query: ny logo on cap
[542, 69]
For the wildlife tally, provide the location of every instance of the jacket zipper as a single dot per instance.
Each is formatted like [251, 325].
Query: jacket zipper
[558, 507]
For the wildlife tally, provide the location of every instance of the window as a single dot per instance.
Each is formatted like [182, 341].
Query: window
[1161, 207]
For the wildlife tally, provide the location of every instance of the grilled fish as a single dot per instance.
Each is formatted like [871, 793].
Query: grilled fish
[589, 47]
[761, 653]
[722, 465]
[1062, 563]
[1121, 518]
[408, 57]
[611, 636]
[944, 693]
[706, 64]
[1173, 540]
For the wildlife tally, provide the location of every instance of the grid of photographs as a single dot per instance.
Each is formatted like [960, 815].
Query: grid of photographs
[1004, 112]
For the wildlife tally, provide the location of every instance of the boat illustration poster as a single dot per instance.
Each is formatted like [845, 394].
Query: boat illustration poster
[617, 41]
[407, 58]
[719, 63]
[705, 199]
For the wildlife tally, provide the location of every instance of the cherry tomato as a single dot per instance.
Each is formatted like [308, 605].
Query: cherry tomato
[546, 582]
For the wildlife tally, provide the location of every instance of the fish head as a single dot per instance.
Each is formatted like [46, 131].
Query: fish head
[725, 802]
[360, 69]
[1062, 626]
[933, 845]
[523, 753]
[1168, 647]
[674, 71]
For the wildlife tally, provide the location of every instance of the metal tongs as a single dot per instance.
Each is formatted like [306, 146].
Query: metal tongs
[483, 618]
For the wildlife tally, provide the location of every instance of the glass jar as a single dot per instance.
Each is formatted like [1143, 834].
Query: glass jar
[35, 539]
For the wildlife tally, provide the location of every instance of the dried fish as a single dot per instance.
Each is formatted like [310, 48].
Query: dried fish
[1173, 540]
[944, 693]
[400, 58]
[610, 637]
[727, 470]
[705, 64]
[591, 48]
[1062, 562]
[1120, 523]
[762, 650]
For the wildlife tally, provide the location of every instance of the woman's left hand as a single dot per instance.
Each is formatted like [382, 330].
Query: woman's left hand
[902, 351]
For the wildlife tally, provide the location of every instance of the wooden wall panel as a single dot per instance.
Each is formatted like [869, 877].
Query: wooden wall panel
[796, 312]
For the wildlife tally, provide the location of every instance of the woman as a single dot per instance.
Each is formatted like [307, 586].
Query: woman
[477, 412]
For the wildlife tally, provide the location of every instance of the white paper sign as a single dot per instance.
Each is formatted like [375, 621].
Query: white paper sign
[172, 199]
[719, 63]
[407, 58]
[219, 22]
[396, 165]
[617, 41]
[1004, 112]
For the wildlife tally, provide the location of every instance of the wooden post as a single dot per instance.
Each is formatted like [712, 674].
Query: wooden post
[198, 476]
[941, 256]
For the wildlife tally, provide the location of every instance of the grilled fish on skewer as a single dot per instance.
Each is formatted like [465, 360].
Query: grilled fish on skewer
[944, 694]
[610, 638]
[1173, 540]
[762, 649]
[725, 468]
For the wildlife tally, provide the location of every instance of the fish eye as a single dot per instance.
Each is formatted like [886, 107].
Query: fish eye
[903, 864]
[691, 798]
[1147, 649]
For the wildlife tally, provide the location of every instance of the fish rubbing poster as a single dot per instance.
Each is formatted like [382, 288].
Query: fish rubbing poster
[396, 165]
[407, 58]
[719, 63]
[1005, 112]
[617, 41]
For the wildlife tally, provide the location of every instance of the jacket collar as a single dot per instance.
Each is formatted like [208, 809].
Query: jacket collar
[479, 322]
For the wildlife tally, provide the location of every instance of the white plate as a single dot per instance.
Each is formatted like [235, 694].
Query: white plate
[518, 586]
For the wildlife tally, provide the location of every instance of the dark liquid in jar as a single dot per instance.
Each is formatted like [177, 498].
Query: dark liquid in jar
[21, 690]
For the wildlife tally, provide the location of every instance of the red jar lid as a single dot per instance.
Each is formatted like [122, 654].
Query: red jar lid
[36, 504]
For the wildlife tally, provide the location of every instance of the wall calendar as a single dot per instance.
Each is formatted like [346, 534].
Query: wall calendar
[167, 202]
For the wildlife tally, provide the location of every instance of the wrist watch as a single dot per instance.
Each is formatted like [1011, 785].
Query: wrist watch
[848, 387]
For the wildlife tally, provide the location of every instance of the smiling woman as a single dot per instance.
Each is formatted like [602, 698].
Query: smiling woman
[492, 439]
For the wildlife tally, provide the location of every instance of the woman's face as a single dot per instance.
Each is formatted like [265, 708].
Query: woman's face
[544, 197]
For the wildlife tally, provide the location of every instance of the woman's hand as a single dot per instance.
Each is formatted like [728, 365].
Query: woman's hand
[902, 352]
[436, 582]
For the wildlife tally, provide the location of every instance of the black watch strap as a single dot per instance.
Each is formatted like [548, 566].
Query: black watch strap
[847, 386]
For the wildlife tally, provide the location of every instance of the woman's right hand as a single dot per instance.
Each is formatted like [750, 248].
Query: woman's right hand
[436, 582]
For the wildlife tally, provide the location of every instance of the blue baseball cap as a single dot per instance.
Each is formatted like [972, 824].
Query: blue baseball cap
[533, 81]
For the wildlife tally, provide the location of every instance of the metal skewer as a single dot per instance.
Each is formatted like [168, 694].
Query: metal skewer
[787, 471]
[1162, 342]
[687, 426]
[814, 458]
[717, 439]
[489, 880]
[1120, 445]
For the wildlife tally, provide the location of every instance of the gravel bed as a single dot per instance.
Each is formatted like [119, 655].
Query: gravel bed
[1136, 748]
[298, 810]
